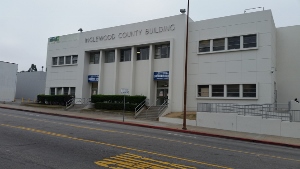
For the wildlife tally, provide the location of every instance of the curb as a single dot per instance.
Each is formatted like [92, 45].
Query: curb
[161, 128]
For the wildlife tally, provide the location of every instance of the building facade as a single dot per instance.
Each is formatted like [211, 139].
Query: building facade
[8, 80]
[30, 84]
[232, 59]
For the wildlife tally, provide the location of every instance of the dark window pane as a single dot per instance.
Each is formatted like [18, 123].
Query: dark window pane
[52, 91]
[249, 90]
[233, 90]
[218, 44]
[125, 55]
[217, 90]
[68, 59]
[204, 46]
[162, 51]
[61, 60]
[74, 59]
[249, 41]
[203, 90]
[54, 61]
[234, 42]
[143, 53]
[110, 56]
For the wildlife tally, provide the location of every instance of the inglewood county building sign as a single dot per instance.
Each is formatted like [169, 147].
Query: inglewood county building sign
[128, 34]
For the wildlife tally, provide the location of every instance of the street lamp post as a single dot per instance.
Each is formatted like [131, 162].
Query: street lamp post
[185, 67]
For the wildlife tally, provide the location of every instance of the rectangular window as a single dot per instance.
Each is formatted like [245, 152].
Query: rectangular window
[109, 56]
[249, 90]
[52, 91]
[66, 90]
[234, 42]
[54, 61]
[233, 90]
[125, 55]
[162, 51]
[217, 90]
[59, 91]
[94, 58]
[61, 60]
[204, 46]
[219, 44]
[72, 91]
[74, 59]
[249, 41]
[142, 53]
[68, 59]
[203, 90]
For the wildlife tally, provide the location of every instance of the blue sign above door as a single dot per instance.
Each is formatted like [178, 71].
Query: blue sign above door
[164, 75]
[93, 78]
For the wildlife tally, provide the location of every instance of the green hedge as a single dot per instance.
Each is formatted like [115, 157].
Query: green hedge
[53, 99]
[115, 106]
[117, 99]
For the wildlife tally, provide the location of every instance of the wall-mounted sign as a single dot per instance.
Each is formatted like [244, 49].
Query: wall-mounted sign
[161, 75]
[93, 78]
[54, 39]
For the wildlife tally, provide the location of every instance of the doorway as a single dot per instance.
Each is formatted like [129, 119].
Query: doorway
[162, 92]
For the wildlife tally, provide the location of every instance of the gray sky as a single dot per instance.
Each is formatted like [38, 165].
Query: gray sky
[26, 25]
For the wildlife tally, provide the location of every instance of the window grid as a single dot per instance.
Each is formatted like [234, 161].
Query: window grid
[142, 53]
[228, 43]
[64, 60]
[94, 58]
[162, 51]
[228, 91]
[125, 55]
[110, 56]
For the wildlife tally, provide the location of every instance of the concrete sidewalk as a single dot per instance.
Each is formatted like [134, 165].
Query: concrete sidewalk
[129, 120]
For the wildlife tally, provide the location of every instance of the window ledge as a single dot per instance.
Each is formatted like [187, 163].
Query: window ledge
[223, 51]
[65, 65]
[227, 98]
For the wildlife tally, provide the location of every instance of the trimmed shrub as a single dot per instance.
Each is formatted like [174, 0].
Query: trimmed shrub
[53, 99]
[117, 99]
[115, 106]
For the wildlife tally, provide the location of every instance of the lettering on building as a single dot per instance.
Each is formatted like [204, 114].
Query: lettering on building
[128, 34]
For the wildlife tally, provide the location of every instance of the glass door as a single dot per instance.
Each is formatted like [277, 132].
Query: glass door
[162, 92]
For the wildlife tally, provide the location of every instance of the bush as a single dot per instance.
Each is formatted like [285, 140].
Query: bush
[53, 99]
[115, 106]
[117, 99]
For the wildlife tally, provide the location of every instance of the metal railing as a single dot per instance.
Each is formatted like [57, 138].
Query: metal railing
[154, 103]
[266, 111]
[74, 101]
[162, 107]
[70, 103]
[140, 106]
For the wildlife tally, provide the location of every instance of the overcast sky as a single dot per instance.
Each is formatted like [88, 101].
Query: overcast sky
[26, 25]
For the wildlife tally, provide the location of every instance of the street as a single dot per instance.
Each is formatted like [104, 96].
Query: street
[30, 140]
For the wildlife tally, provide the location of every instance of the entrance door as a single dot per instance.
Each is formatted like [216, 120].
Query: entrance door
[162, 92]
[94, 88]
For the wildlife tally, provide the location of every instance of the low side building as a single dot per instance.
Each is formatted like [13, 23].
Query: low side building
[30, 84]
[8, 81]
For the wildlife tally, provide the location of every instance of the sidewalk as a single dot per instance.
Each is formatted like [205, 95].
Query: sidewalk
[129, 120]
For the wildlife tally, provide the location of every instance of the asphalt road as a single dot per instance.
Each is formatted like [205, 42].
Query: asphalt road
[29, 140]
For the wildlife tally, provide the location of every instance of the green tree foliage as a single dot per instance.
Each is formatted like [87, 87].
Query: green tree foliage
[32, 68]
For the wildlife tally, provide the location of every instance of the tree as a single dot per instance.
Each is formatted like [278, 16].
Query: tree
[32, 68]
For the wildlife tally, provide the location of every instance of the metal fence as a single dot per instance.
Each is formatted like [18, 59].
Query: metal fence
[266, 111]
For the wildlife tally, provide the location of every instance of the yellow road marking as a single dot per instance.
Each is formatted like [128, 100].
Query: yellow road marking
[113, 145]
[182, 142]
[133, 161]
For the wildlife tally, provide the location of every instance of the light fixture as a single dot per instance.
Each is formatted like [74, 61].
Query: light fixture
[182, 11]
[80, 30]
[138, 52]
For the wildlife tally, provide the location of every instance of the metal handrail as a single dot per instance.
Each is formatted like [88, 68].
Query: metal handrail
[70, 103]
[150, 107]
[162, 107]
[139, 107]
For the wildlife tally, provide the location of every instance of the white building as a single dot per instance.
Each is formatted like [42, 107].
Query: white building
[8, 80]
[233, 59]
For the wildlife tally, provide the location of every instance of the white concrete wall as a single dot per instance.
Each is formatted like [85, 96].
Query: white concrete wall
[8, 81]
[108, 78]
[233, 67]
[141, 84]
[248, 124]
[30, 84]
[124, 76]
[288, 49]
[63, 76]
